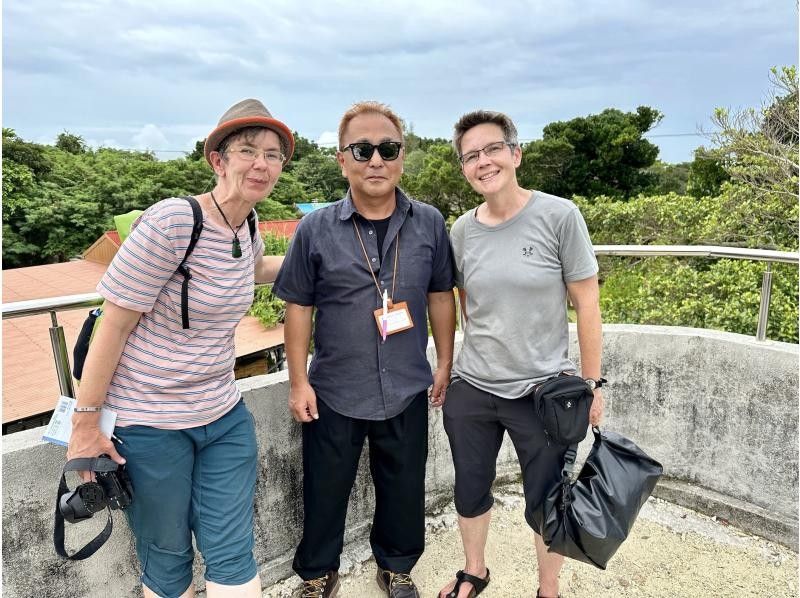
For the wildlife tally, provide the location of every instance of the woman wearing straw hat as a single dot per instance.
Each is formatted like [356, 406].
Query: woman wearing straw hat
[186, 437]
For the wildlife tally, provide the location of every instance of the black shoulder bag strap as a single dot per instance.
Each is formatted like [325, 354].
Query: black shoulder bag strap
[197, 212]
[566, 475]
[83, 464]
[251, 224]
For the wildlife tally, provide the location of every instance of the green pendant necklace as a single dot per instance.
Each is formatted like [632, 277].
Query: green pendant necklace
[236, 248]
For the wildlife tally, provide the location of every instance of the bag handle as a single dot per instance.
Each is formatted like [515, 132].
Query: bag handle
[569, 467]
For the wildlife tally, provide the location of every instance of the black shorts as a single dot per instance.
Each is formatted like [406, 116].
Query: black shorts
[475, 421]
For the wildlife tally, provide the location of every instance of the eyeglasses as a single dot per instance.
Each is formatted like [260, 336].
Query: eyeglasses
[362, 151]
[249, 154]
[491, 150]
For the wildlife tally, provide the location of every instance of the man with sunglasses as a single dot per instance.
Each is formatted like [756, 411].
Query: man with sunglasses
[374, 266]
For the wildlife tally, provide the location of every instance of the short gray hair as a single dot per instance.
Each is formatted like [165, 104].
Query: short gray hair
[480, 117]
[248, 135]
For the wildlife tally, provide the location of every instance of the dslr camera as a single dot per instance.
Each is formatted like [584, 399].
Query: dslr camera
[112, 489]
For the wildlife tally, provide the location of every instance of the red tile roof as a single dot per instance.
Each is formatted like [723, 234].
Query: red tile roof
[114, 236]
[282, 228]
[51, 280]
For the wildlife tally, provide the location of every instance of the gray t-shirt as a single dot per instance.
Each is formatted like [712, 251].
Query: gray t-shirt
[515, 276]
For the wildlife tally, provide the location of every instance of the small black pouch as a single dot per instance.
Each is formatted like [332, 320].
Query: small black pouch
[563, 403]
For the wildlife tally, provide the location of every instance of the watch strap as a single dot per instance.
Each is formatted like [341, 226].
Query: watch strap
[598, 382]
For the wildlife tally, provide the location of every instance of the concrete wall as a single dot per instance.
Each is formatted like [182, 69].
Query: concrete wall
[718, 410]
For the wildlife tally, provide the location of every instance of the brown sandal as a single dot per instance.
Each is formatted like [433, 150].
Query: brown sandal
[478, 584]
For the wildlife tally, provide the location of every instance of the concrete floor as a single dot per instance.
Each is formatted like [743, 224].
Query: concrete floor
[671, 552]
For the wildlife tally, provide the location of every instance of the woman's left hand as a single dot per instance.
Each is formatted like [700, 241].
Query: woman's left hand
[598, 405]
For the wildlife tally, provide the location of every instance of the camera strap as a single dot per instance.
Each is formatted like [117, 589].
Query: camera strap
[82, 464]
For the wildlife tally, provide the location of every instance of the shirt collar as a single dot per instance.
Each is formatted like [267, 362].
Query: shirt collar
[404, 205]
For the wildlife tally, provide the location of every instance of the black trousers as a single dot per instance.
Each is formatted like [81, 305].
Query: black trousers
[475, 422]
[398, 450]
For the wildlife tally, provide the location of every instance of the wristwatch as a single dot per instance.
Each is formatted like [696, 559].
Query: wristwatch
[592, 383]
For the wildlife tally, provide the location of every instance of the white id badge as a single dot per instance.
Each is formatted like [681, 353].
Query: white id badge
[398, 318]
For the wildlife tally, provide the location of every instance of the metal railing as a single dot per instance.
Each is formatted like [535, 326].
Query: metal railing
[711, 251]
[60, 354]
[58, 342]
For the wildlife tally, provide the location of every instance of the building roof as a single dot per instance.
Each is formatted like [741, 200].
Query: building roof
[30, 385]
[281, 228]
[51, 280]
[104, 249]
[307, 208]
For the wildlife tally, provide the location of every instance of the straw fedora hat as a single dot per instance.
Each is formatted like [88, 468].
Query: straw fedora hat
[247, 113]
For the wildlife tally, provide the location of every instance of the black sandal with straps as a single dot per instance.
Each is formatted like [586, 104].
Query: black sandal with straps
[478, 584]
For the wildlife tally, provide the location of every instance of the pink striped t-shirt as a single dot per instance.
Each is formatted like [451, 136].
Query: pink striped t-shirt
[168, 377]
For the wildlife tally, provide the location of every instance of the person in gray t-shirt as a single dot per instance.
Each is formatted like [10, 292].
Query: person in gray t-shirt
[518, 256]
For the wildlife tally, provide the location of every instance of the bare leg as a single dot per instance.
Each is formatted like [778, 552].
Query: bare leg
[549, 568]
[148, 593]
[474, 531]
[251, 589]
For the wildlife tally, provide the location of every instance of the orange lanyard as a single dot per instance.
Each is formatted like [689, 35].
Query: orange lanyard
[369, 266]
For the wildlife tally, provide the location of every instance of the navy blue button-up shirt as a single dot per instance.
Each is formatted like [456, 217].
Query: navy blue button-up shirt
[352, 371]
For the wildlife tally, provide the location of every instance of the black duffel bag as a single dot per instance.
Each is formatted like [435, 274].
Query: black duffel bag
[589, 519]
[563, 403]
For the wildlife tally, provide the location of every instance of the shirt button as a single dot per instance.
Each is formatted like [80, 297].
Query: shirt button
[383, 370]
[374, 259]
[370, 232]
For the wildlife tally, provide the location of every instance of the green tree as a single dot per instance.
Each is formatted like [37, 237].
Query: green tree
[32, 155]
[601, 154]
[411, 141]
[288, 190]
[546, 164]
[197, 153]
[706, 174]
[719, 294]
[275, 244]
[759, 146]
[669, 178]
[57, 202]
[321, 176]
[698, 292]
[24, 164]
[438, 181]
[18, 197]
[269, 309]
[302, 147]
[73, 144]
[269, 209]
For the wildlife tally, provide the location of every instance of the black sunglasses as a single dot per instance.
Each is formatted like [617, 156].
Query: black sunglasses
[362, 151]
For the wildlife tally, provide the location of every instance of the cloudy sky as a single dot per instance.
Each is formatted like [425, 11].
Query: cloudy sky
[158, 74]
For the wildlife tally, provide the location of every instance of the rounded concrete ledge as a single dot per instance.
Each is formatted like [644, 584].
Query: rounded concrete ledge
[719, 411]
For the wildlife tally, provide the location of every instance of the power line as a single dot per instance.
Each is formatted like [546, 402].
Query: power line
[647, 135]
[677, 135]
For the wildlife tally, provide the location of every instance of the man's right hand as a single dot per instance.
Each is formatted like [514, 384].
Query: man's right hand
[303, 403]
[88, 441]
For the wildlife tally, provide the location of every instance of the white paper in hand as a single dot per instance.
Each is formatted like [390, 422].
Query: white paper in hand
[59, 429]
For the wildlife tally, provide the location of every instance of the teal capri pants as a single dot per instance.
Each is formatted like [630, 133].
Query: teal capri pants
[198, 480]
